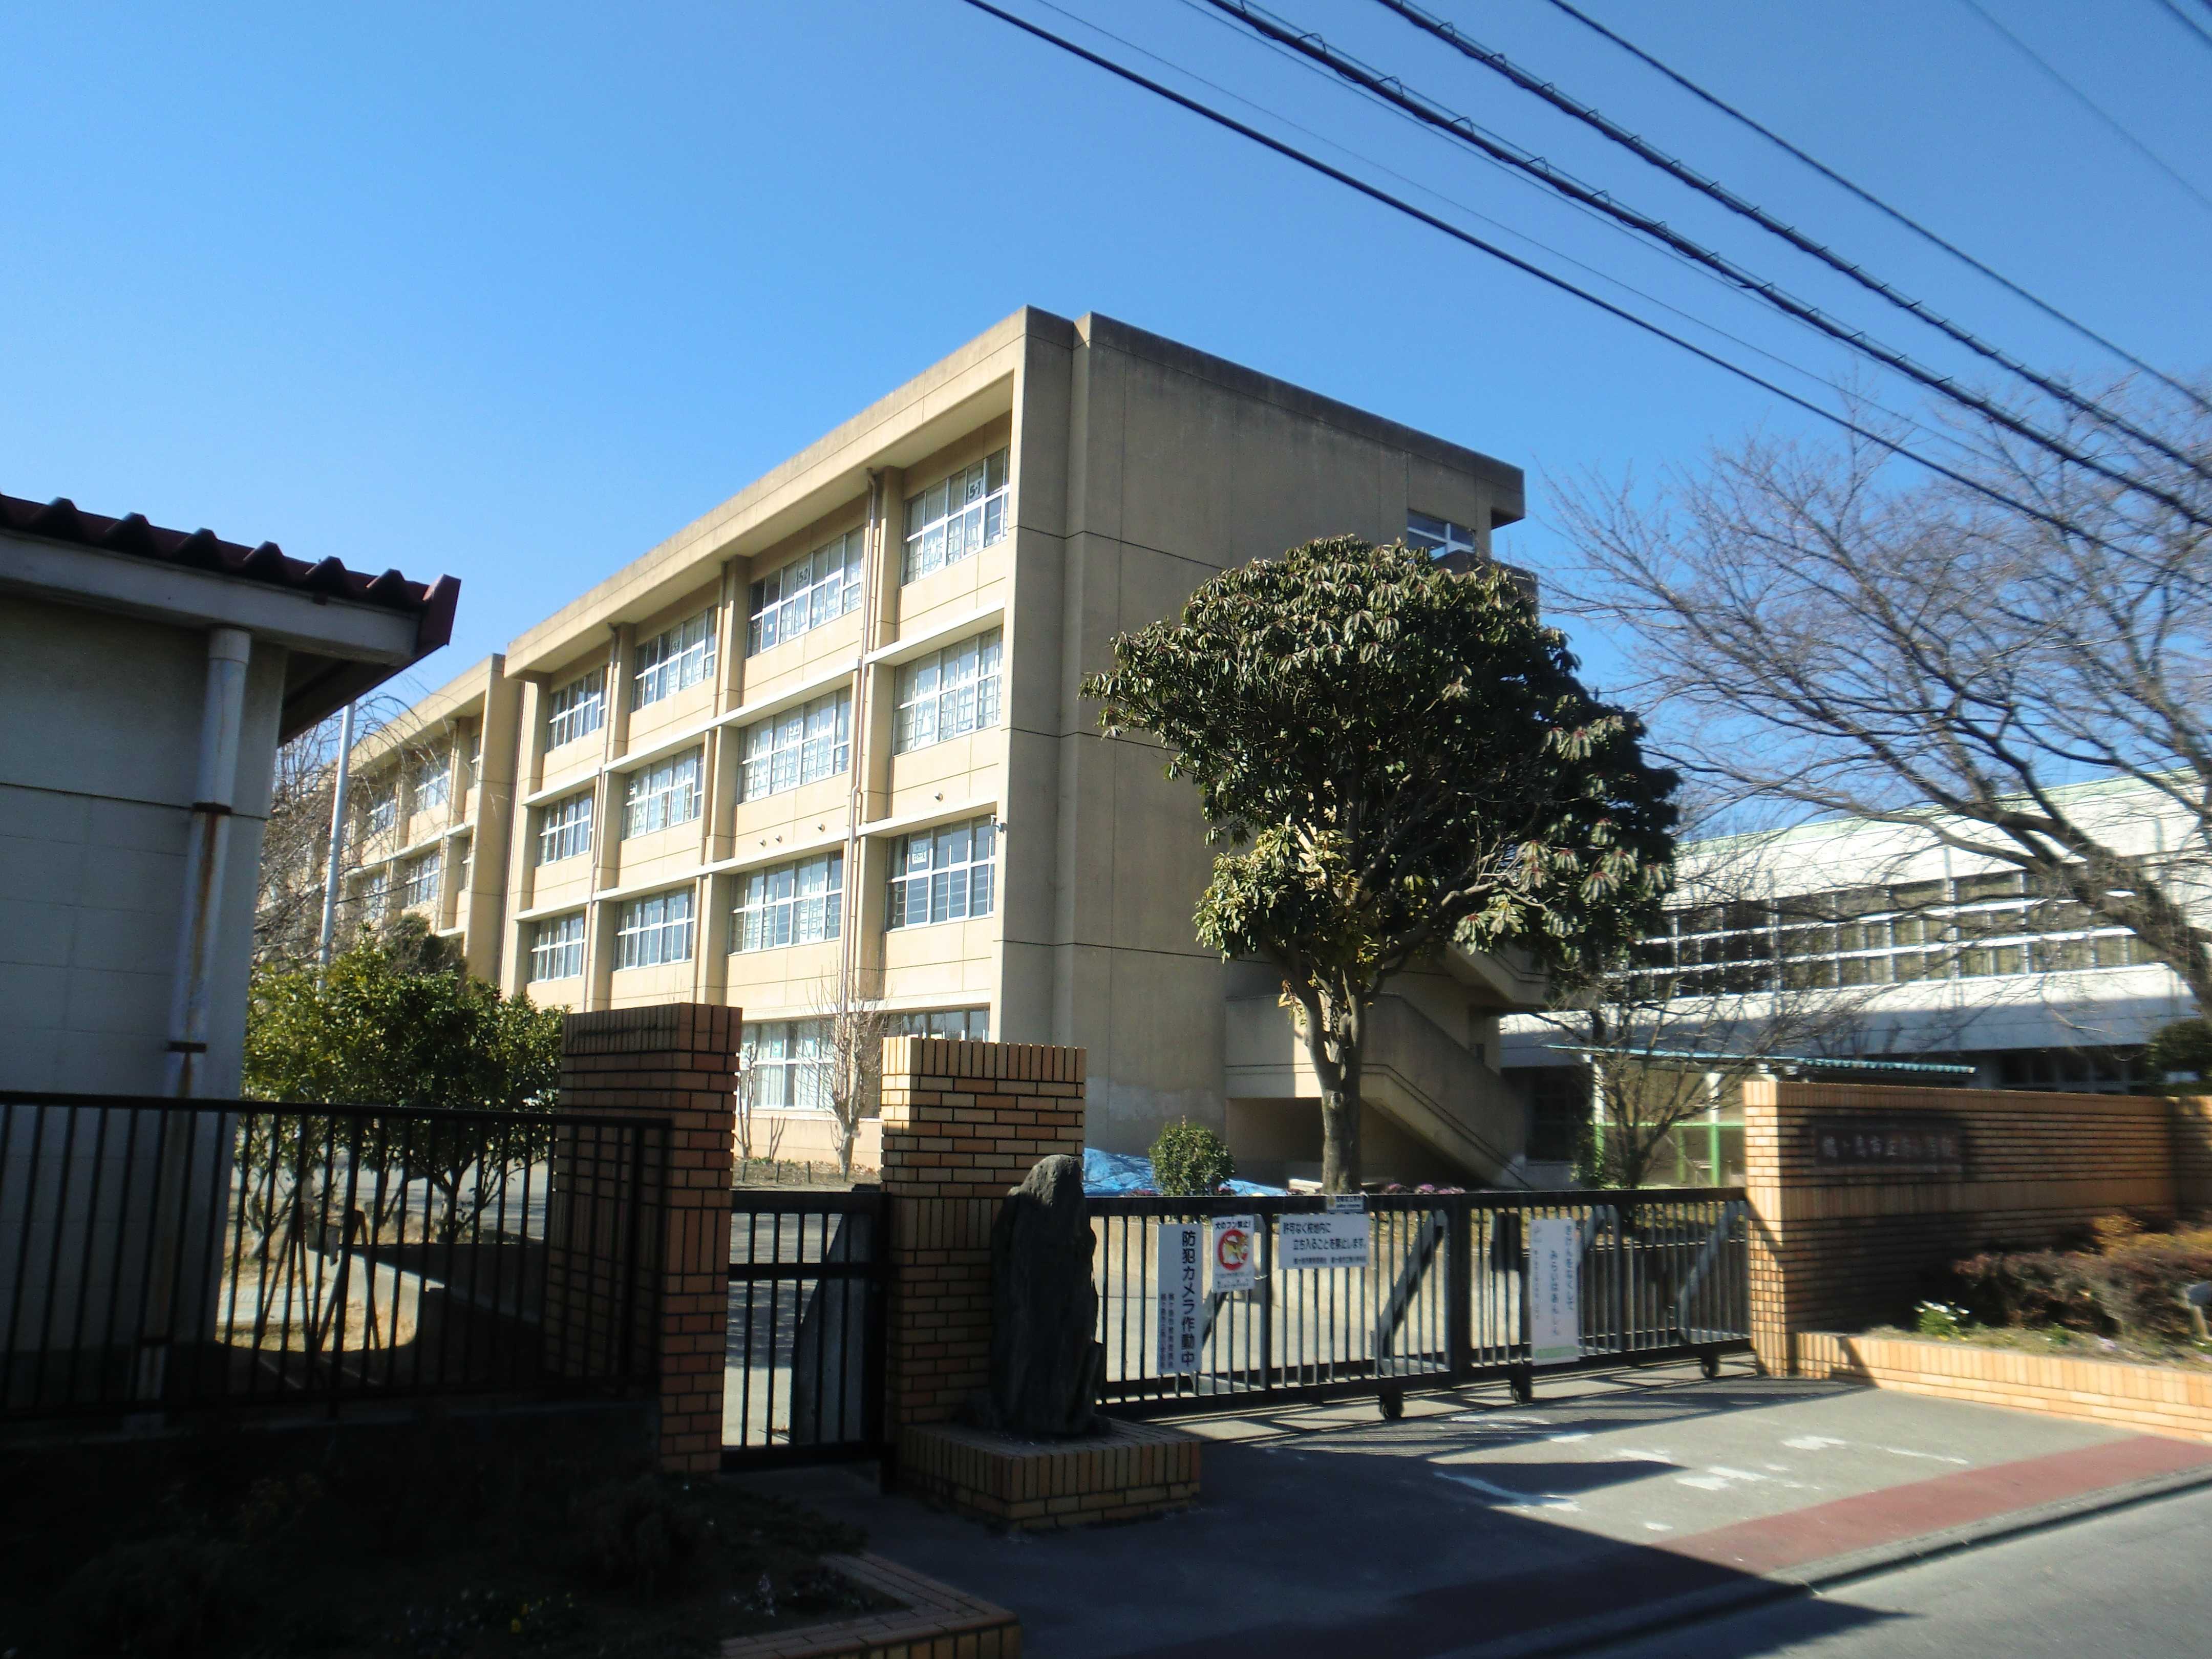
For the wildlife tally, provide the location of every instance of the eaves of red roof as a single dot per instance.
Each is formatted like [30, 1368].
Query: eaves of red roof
[431, 603]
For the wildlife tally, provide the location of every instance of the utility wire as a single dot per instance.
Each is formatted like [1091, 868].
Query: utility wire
[1475, 213]
[2186, 21]
[2087, 102]
[1376, 192]
[1882, 207]
[1712, 188]
[1460, 127]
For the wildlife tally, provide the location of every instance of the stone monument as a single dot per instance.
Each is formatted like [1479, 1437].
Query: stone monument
[1044, 1311]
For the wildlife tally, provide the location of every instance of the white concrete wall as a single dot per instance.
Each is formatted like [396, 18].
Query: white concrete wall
[98, 755]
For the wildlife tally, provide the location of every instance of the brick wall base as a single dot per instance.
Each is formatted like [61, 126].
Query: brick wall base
[1132, 1471]
[2151, 1399]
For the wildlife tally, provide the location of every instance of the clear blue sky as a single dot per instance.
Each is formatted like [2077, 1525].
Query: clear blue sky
[514, 293]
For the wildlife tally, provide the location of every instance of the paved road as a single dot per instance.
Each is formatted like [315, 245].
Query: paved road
[1324, 1532]
[2135, 1583]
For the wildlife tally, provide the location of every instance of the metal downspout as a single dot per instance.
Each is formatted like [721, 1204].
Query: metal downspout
[207, 844]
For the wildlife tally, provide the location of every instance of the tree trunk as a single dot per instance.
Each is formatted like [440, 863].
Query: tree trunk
[1343, 1028]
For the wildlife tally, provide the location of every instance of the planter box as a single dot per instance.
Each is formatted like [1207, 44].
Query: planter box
[937, 1622]
[2151, 1399]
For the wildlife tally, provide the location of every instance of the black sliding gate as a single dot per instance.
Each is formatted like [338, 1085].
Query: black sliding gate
[804, 1381]
[1441, 1300]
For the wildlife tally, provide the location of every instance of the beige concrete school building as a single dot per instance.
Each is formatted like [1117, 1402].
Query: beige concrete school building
[829, 733]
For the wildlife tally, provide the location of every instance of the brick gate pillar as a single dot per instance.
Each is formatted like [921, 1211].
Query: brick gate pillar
[963, 1123]
[678, 1061]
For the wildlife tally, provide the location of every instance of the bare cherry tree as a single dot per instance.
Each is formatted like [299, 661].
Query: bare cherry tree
[1822, 629]
[850, 1011]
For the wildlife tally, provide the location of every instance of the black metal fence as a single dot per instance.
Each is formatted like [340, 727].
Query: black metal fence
[803, 1378]
[160, 1255]
[1442, 1298]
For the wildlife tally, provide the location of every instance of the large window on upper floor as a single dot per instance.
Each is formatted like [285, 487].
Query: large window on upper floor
[800, 746]
[557, 947]
[807, 592]
[430, 781]
[419, 879]
[382, 810]
[1439, 537]
[655, 930]
[577, 709]
[564, 827]
[797, 903]
[950, 521]
[947, 694]
[672, 661]
[943, 874]
[663, 793]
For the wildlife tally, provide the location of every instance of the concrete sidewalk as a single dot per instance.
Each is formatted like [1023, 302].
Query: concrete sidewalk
[1477, 1526]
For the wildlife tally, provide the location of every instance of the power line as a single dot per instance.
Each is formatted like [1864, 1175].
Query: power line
[2087, 103]
[1713, 189]
[2186, 21]
[1475, 213]
[1880, 206]
[1376, 192]
[1460, 127]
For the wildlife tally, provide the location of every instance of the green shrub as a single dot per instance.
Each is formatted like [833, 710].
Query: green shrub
[1939, 1319]
[159, 1596]
[640, 1536]
[1190, 1161]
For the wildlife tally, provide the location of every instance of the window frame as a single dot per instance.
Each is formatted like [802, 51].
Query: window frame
[762, 747]
[982, 692]
[675, 660]
[776, 611]
[942, 875]
[542, 946]
[658, 785]
[775, 908]
[577, 709]
[794, 1062]
[634, 927]
[559, 825]
[941, 532]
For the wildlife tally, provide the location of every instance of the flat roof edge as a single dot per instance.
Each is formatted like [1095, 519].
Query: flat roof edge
[1097, 329]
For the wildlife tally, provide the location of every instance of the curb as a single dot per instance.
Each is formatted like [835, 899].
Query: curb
[1584, 1635]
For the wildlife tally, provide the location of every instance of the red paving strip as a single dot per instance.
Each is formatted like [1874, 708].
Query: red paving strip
[1848, 1525]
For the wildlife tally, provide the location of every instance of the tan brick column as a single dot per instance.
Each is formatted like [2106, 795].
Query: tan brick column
[677, 1061]
[963, 1123]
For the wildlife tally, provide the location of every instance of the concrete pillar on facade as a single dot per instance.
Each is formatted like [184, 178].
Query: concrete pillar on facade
[677, 1061]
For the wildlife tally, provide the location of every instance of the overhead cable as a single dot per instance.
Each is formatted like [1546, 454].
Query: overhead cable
[1376, 192]
[2172, 10]
[1387, 170]
[1712, 188]
[1880, 206]
[2087, 102]
[1467, 132]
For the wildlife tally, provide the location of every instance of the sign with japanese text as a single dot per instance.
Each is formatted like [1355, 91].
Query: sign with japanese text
[1555, 1299]
[1235, 1252]
[1336, 1239]
[1908, 1146]
[1182, 1296]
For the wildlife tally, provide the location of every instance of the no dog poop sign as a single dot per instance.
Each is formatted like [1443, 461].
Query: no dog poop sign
[1236, 1265]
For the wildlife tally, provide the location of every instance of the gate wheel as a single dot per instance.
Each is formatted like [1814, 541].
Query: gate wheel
[1523, 1384]
[1393, 1403]
[1709, 1364]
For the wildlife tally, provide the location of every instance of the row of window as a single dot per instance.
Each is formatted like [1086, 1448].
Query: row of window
[427, 783]
[945, 874]
[945, 694]
[1974, 926]
[945, 524]
[788, 1061]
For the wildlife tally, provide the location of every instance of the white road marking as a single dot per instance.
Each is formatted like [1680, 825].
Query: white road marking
[1933, 1458]
[1520, 1500]
[1812, 1443]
